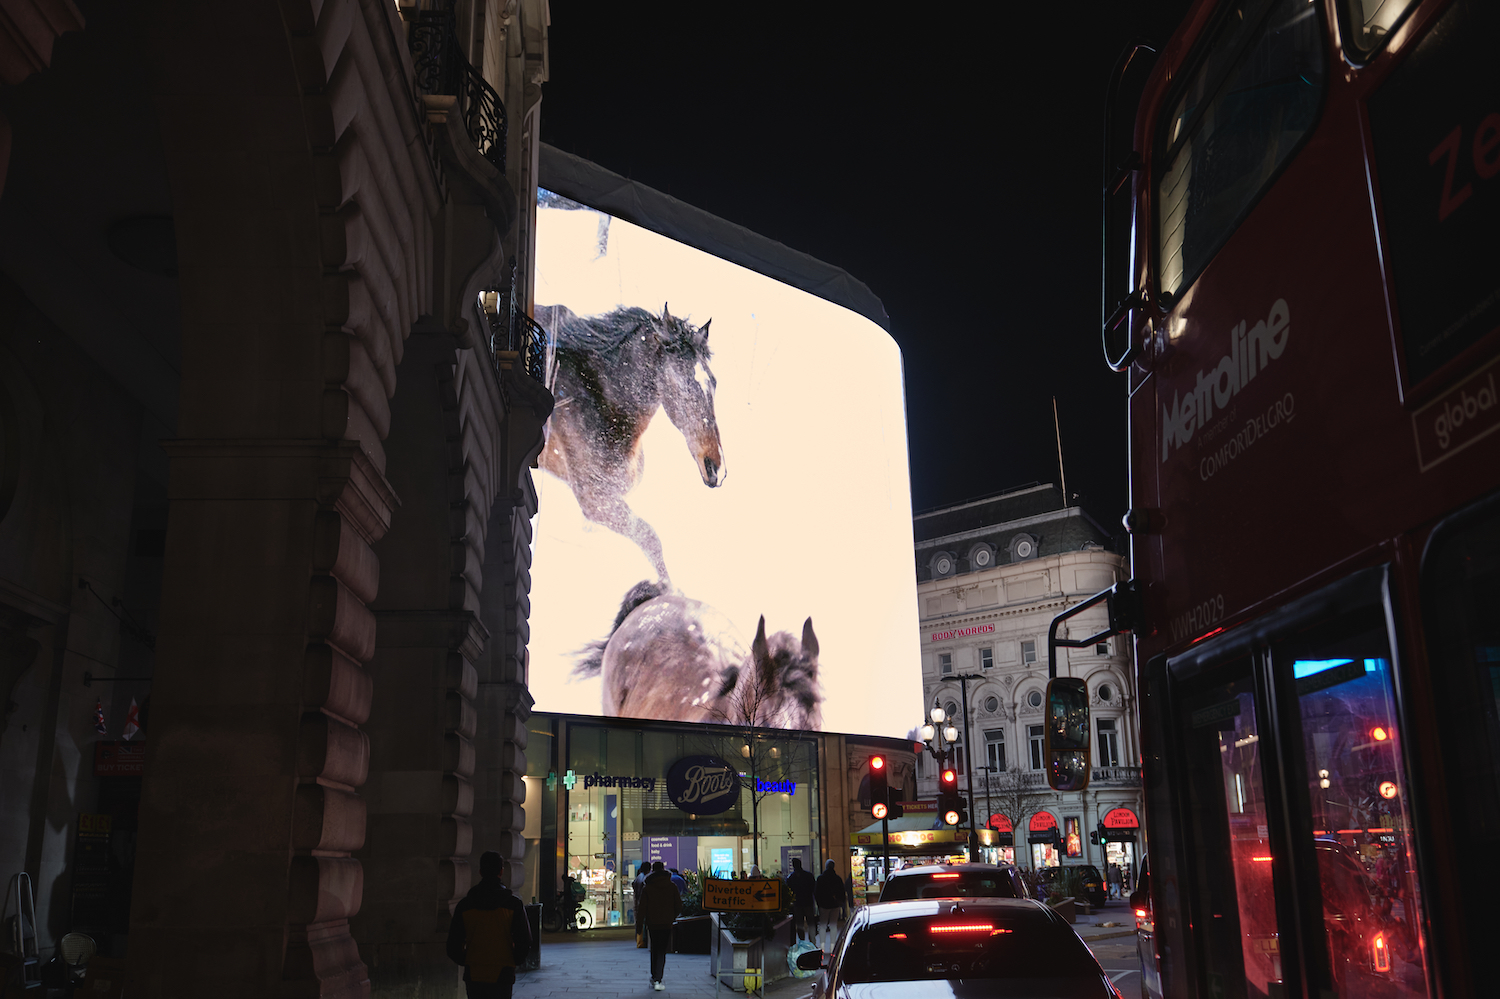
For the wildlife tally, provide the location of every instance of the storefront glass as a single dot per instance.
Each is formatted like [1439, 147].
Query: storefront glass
[619, 815]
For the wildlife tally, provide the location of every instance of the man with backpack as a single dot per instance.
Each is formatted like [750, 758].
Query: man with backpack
[489, 934]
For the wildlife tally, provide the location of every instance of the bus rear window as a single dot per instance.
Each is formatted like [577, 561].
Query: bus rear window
[1246, 107]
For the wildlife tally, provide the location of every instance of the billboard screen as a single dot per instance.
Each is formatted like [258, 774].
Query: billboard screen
[724, 528]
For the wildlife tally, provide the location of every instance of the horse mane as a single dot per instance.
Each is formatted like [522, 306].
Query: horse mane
[591, 656]
[603, 337]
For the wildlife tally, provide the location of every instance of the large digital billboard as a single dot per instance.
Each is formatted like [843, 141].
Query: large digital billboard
[724, 528]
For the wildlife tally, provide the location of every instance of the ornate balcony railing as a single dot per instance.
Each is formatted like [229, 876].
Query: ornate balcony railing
[515, 338]
[442, 69]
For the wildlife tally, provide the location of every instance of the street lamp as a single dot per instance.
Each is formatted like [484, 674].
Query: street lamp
[940, 740]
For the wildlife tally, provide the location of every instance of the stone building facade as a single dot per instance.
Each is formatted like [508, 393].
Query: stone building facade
[264, 472]
[991, 575]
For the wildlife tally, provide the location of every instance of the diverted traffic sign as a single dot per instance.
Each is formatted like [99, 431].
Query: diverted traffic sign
[750, 895]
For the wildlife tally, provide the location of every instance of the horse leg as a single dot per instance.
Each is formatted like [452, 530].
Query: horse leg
[614, 513]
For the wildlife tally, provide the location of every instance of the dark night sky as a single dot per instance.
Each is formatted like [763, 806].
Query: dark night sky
[949, 159]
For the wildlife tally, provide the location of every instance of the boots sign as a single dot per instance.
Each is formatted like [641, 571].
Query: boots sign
[703, 785]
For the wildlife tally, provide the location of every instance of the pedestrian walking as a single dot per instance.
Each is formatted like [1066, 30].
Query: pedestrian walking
[804, 900]
[829, 893]
[1115, 881]
[489, 934]
[660, 905]
[678, 881]
[635, 888]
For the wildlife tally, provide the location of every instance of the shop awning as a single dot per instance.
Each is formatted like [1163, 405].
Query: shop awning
[906, 823]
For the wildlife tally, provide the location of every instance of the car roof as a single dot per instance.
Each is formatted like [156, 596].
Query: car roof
[951, 868]
[1015, 910]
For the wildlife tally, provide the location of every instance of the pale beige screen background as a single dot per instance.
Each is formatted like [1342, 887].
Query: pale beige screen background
[814, 515]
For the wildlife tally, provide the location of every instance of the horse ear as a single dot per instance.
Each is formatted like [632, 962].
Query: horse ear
[760, 650]
[704, 329]
[666, 314]
[809, 640]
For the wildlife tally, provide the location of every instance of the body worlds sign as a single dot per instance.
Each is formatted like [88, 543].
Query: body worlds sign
[703, 785]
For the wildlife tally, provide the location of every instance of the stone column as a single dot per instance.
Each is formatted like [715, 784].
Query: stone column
[249, 815]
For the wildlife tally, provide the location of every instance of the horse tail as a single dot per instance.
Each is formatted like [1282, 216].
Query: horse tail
[591, 656]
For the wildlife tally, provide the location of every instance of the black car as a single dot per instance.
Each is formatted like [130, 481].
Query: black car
[1081, 881]
[958, 948]
[954, 881]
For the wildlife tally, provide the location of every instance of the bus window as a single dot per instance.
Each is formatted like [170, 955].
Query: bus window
[1461, 620]
[1355, 781]
[1365, 24]
[1231, 887]
[1245, 109]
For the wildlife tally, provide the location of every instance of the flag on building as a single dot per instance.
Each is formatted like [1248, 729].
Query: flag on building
[132, 721]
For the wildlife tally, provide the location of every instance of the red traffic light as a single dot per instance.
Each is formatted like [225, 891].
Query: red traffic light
[950, 817]
[879, 810]
[949, 777]
[877, 763]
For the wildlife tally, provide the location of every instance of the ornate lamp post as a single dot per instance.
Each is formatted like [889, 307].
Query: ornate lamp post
[941, 740]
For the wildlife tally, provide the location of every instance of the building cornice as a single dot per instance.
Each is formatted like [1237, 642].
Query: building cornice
[1012, 525]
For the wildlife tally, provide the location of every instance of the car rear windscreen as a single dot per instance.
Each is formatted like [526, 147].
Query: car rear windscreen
[969, 945]
[965, 885]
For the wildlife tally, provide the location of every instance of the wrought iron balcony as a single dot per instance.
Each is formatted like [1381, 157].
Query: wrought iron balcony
[515, 338]
[441, 68]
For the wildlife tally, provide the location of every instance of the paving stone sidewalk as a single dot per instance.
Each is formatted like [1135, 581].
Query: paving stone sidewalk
[606, 963]
[610, 965]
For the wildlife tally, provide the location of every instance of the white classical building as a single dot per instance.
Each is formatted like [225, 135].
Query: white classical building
[991, 575]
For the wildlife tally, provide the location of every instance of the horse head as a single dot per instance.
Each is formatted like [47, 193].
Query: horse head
[687, 384]
[785, 692]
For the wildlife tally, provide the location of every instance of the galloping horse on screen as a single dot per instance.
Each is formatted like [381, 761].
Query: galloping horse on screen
[612, 373]
[675, 658]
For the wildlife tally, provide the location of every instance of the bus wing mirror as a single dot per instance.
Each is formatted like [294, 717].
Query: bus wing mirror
[1066, 739]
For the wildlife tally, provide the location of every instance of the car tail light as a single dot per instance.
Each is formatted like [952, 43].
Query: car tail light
[1143, 921]
[943, 877]
[966, 928]
[1381, 953]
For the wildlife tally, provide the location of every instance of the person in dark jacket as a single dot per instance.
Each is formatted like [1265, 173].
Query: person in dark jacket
[660, 905]
[830, 895]
[489, 934]
[804, 899]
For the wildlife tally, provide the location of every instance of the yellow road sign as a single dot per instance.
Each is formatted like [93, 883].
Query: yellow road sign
[751, 895]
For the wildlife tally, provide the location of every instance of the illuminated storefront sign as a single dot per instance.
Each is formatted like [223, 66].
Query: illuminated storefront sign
[775, 786]
[1121, 818]
[703, 785]
[1042, 829]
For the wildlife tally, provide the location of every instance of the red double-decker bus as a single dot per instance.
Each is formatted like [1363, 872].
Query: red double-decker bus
[1302, 286]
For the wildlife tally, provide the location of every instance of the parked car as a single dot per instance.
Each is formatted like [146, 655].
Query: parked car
[954, 881]
[958, 947]
[1081, 881]
[1145, 934]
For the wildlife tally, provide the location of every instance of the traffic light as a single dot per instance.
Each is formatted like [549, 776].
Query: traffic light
[879, 793]
[950, 805]
[895, 810]
[1094, 838]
